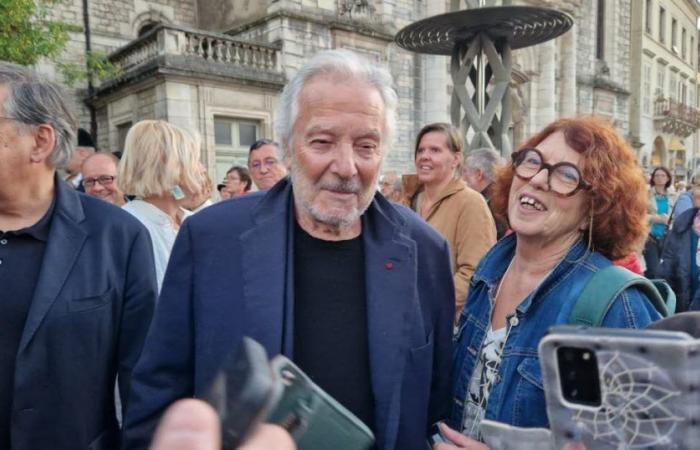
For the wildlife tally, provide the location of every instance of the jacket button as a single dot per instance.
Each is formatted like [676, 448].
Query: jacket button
[514, 321]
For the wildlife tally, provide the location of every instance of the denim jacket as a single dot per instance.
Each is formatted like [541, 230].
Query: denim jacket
[517, 395]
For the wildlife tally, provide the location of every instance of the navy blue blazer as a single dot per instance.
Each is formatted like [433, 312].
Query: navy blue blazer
[89, 315]
[230, 275]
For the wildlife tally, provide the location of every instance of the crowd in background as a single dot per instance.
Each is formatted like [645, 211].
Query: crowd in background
[429, 290]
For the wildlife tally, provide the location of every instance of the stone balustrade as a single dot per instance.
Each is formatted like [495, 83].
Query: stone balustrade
[196, 45]
[675, 117]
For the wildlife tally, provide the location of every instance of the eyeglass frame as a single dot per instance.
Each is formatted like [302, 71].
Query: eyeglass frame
[90, 182]
[550, 170]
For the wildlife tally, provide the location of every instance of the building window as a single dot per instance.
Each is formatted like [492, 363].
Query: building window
[646, 99]
[600, 31]
[673, 87]
[660, 81]
[662, 25]
[232, 139]
[683, 47]
[683, 94]
[674, 35]
[122, 130]
[647, 16]
[692, 49]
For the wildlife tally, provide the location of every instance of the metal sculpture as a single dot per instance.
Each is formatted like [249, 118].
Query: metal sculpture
[480, 41]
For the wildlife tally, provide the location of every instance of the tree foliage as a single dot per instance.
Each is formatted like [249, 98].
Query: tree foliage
[27, 32]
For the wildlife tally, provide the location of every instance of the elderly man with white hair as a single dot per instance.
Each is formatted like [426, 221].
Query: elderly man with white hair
[356, 290]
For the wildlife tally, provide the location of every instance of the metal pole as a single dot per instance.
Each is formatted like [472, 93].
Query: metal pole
[91, 87]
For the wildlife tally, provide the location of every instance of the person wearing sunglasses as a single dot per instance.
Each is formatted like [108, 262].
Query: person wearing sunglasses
[99, 174]
[575, 200]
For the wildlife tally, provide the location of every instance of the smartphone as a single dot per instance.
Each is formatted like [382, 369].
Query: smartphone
[614, 388]
[243, 392]
[315, 420]
[249, 390]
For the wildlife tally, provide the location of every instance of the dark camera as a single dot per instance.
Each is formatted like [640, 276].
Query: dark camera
[578, 375]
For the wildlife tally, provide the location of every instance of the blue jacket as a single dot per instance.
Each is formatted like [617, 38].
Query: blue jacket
[678, 261]
[517, 397]
[90, 312]
[230, 275]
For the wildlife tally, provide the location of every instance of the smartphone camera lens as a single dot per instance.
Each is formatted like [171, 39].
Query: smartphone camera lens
[578, 373]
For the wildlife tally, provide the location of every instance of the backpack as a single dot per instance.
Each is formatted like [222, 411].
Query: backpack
[605, 285]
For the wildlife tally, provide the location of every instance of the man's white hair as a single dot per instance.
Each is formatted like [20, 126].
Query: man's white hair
[341, 64]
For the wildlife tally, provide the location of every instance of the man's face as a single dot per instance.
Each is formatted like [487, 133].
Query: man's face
[473, 178]
[15, 146]
[99, 175]
[265, 168]
[76, 160]
[386, 184]
[234, 185]
[336, 150]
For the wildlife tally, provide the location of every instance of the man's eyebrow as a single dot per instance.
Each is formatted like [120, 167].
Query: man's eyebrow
[372, 134]
[321, 129]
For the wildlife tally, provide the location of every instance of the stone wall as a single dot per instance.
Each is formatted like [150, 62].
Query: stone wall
[305, 27]
[113, 23]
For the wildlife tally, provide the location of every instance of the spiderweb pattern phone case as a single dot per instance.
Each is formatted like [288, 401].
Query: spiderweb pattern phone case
[645, 393]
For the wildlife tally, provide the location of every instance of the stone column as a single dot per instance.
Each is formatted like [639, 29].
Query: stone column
[545, 86]
[436, 77]
[567, 91]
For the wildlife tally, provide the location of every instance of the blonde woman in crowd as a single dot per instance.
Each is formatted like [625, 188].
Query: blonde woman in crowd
[439, 195]
[161, 167]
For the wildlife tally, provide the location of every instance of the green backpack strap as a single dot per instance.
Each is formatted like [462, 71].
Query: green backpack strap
[606, 285]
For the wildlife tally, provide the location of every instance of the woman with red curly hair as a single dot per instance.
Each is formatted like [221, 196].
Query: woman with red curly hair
[575, 200]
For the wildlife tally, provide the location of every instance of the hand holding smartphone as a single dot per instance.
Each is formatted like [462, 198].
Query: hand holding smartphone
[249, 390]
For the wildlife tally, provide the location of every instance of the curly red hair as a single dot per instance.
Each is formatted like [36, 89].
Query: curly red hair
[619, 195]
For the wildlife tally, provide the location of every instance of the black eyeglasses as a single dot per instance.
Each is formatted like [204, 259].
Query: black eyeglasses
[104, 180]
[563, 178]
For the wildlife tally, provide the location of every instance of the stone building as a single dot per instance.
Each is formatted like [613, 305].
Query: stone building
[664, 116]
[218, 65]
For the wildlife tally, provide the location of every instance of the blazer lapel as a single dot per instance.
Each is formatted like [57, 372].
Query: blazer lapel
[66, 238]
[391, 273]
[265, 269]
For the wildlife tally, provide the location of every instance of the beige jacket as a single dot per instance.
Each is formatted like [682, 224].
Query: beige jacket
[463, 218]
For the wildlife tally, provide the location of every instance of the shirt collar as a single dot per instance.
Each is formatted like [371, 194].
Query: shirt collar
[41, 229]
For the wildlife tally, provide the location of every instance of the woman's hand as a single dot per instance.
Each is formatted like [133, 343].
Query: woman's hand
[458, 440]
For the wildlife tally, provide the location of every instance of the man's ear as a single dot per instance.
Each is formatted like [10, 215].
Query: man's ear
[287, 156]
[44, 143]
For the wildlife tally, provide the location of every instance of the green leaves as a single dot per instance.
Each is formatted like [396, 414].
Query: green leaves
[97, 64]
[27, 33]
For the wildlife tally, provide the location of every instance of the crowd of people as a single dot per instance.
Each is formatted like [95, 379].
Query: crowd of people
[411, 299]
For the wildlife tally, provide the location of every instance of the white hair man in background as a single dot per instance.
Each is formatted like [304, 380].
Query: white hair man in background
[479, 172]
[390, 186]
[318, 268]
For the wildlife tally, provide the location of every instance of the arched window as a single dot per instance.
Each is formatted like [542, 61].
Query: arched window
[146, 27]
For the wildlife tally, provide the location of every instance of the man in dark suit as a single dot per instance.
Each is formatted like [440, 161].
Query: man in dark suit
[77, 283]
[321, 268]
